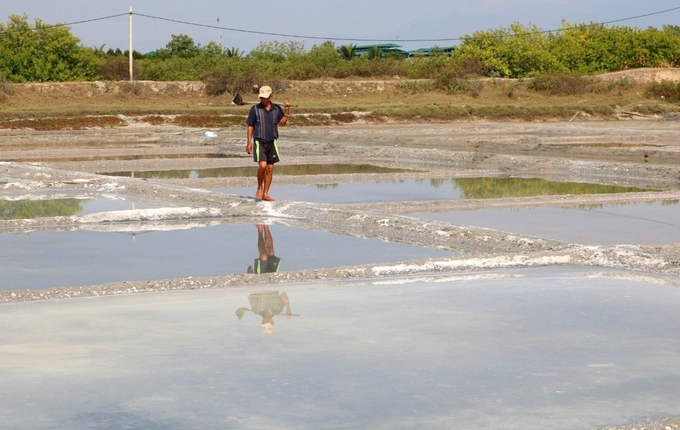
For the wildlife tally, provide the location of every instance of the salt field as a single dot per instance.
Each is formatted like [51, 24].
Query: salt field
[459, 284]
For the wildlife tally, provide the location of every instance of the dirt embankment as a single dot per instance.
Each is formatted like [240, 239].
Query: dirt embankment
[331, 101]
[314, 87]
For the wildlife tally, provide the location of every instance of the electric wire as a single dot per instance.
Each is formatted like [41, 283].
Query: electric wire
[89, 20]
[347, 39]
[296, 36]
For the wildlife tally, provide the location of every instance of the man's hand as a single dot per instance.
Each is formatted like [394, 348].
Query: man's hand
[249, 139]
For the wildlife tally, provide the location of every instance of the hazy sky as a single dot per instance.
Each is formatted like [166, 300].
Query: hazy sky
[317, 20]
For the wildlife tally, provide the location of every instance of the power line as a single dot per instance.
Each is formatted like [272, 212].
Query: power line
[641, 16]
[68, 24]
[297, 36]
[293, 36]
[89, 20]
[349, 39]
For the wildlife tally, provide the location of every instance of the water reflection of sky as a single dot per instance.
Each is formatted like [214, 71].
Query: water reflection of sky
[29, 209]
[285, 169]
[428, 189]
[642, 223]
[48, 259]
[547, 350]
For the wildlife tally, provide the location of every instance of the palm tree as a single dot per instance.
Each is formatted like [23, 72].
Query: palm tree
[348, 51]
[374, 52]
[99, 51]
[233, 52]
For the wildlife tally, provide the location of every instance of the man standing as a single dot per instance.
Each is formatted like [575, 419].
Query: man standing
[263, 132]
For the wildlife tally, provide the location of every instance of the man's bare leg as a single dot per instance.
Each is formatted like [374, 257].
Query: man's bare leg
[268, 240]
[268, 177]
[261, 173]
[262, 242]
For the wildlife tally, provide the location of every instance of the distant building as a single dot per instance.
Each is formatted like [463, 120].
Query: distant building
[386, 48]
[426, 52]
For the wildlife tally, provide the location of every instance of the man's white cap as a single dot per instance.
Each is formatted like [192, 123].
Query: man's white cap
[265, 92]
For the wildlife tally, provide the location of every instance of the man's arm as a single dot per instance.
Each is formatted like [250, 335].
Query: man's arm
[249, 142]
[286, 112]
[286, 301]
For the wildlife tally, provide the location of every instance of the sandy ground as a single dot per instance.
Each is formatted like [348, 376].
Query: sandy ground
[637, 153]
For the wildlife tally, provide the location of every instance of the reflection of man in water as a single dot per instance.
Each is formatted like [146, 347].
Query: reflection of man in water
[268, 262]
[267, 305]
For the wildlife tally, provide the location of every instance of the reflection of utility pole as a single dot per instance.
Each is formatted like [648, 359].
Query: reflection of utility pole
[219, 36]
[134, 233]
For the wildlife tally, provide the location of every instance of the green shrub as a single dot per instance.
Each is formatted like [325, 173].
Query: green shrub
[471, 66]
[450, 82]
[216, 83]
[667, 90]
[417, 87]
[6, 89]
[359, 67]
[607, 86]
[117, 68]
[235, 75]
[41, 52]
[560, 84]
[422, 67]
[303, 71]
[389, 66]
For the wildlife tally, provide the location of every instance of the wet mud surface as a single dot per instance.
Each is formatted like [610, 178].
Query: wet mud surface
[642, 154]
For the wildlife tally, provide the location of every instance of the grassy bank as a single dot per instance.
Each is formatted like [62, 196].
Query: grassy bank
[111, 104]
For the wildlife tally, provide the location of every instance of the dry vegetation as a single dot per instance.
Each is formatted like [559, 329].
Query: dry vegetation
[81, 105]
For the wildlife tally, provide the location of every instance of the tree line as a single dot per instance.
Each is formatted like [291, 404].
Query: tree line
[38, 52]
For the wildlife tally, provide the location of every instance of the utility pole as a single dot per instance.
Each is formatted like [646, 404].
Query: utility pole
[219, 36]
[132, 78]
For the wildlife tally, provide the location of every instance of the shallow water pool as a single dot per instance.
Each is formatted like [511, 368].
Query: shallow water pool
[29, 209]
[428, 189]
[287, 169]
[519, 349]
[40, 260]
[641, 223]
